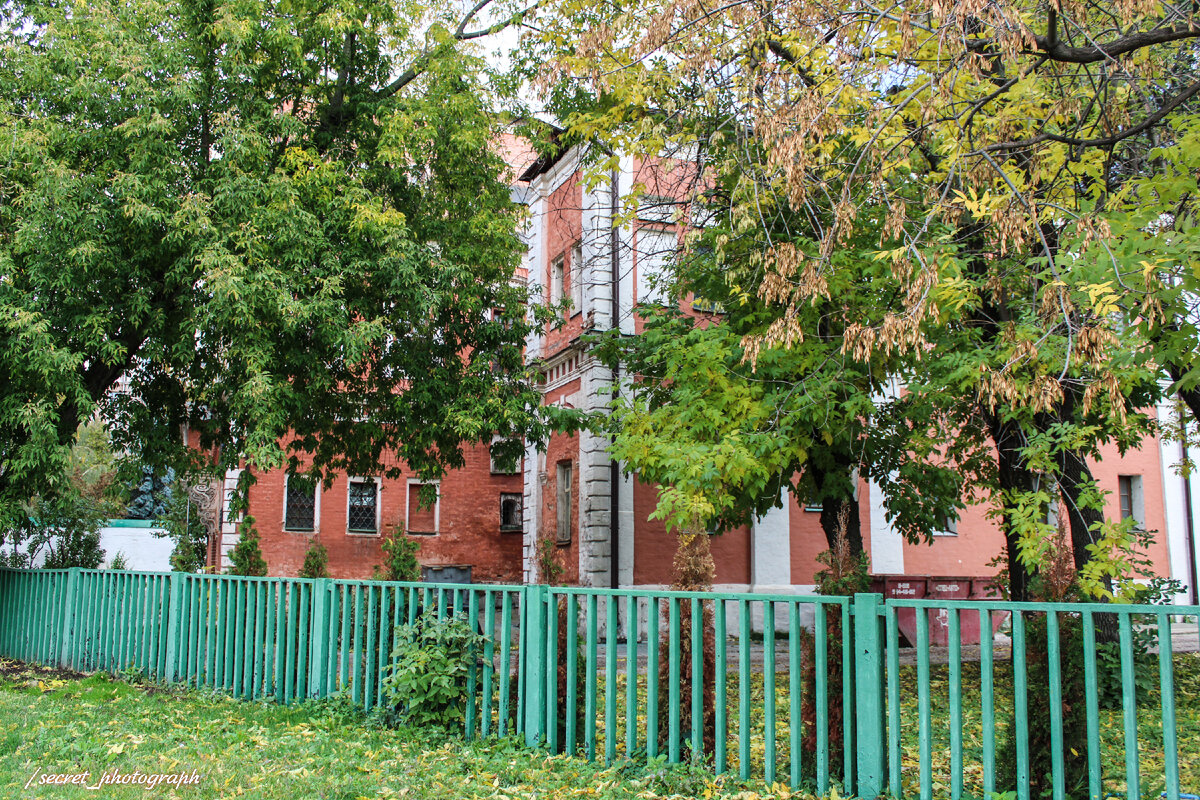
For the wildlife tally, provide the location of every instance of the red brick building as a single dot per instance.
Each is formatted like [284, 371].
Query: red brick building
[590, 523]
[570, 515]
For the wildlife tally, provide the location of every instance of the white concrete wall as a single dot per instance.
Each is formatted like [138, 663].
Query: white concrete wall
[143, 551]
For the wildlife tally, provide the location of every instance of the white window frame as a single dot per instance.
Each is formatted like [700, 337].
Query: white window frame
[557, 279]
[652, 261]
[560, 514]
[950, 527]
[316, 526]
[437, 507]
[494, 468]
[378, 507]
[1137, 500]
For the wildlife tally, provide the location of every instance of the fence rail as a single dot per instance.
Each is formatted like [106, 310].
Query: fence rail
[808, 690]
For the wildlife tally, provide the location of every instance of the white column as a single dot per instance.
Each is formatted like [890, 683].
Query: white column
[1170, 457]
[887, 545]
[771, 549]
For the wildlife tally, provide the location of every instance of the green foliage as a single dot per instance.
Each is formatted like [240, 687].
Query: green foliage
[316, 562]
[63, 526]
[285, 223]
[550, 567]
[426, 684]
[399, 558]
[118, 561]
[1038, 728]
[182, 523]
[246, 557]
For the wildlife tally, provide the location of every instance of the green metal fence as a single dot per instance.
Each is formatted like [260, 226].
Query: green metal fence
[806, 690]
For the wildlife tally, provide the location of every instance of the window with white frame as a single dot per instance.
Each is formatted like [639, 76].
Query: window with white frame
[576, 278]
[1129, 494]
[362, 506]
[501, 466]
[655, 250]
[563, 502]
[300, 503]
[422, 509]
[948, 526]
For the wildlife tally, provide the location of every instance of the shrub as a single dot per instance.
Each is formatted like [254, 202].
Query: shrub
[246, 556]
[316, 562]
[119, 561]
[426, 685]
[399, 558]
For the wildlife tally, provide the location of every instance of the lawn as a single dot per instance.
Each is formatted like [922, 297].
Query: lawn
[55, 723]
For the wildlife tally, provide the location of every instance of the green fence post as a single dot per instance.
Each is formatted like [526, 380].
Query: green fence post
[535, 599]
[319, 637]
[66, 638]
[868, 693]
[174, 625]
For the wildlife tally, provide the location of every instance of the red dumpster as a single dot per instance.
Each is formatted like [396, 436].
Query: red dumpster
[902, 587]
[939, 588]
[985, 589]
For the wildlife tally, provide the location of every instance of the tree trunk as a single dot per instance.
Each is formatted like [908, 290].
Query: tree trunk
[1013, 478]
[694, 571]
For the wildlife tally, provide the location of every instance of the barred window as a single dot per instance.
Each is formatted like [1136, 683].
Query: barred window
[300, 504]
[363, 506]
[510, 511]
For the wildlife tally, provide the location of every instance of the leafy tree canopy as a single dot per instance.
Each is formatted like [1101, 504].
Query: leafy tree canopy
[263, 220]
[1014, 165]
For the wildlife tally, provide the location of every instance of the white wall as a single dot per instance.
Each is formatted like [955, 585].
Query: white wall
[143, 551]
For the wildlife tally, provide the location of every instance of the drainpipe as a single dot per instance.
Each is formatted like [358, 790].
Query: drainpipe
[1188, 526]
[614, 474]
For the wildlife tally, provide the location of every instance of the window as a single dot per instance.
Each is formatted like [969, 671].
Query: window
[656, 208]
[556, 281]
[655, 251]
[510, 511]
[576, 277]
[300, 504]
[423, 508]
[1129, 492]
[563, 495]
[948, 526]
[501, 466]
[814, 505]
[362, 506]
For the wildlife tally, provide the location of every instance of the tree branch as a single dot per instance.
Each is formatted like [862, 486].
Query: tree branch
[1051, 47]
[460, 35]
[1108, 141]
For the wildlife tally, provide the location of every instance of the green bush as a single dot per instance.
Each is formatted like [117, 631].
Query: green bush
[399, 558]
[427, 682]
[316, 562]
[246, 556]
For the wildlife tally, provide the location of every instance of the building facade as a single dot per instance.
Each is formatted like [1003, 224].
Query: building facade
[570, 515]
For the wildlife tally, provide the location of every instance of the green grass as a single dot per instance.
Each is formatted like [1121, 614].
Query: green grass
[57, 724]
